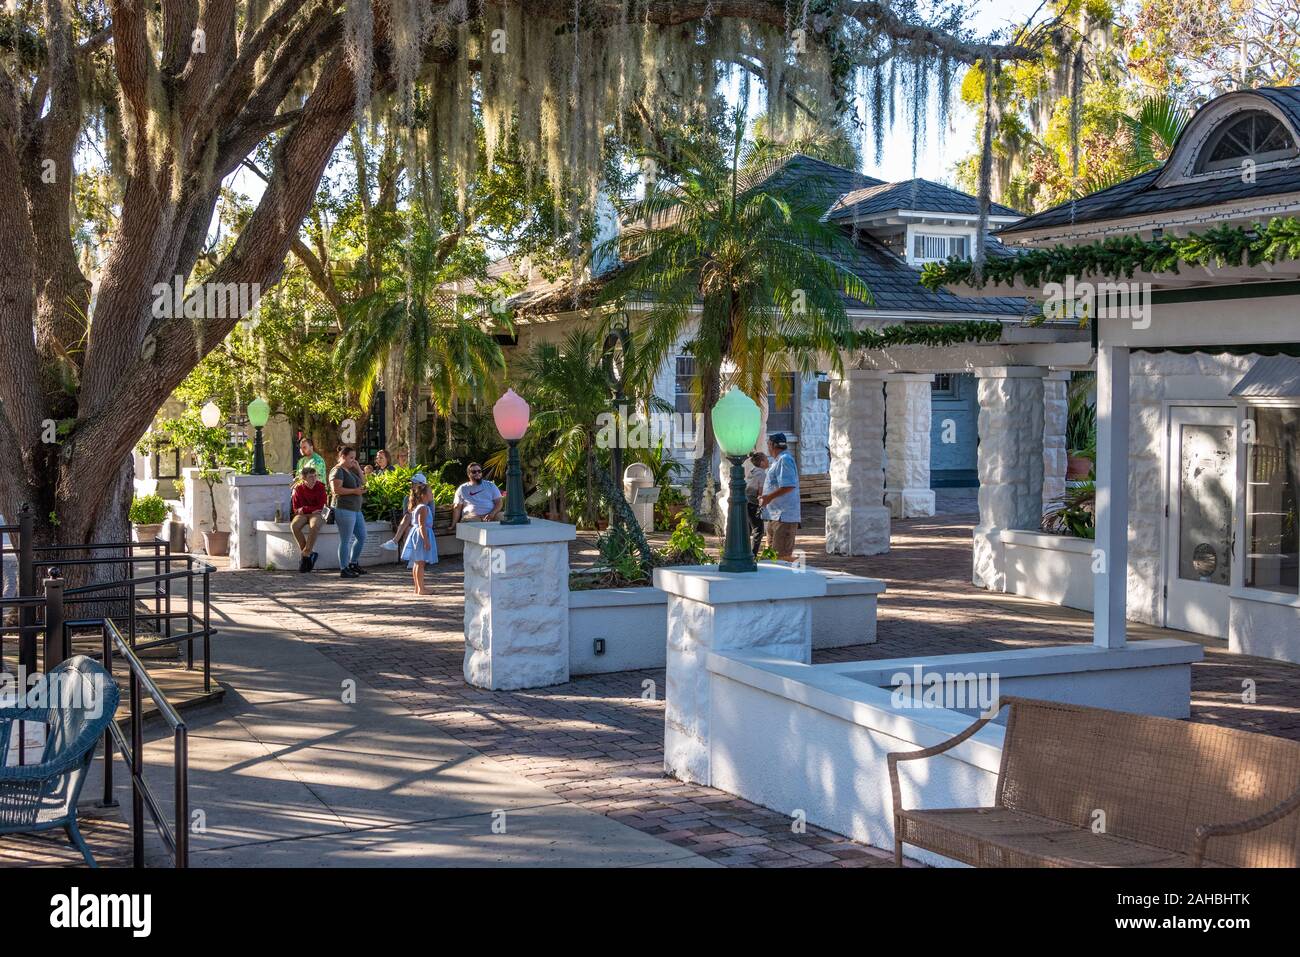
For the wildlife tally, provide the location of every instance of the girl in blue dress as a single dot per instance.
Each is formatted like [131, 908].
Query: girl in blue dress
[421, 547]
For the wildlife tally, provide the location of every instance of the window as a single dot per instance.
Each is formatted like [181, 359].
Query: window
[1272, 476]
[1254, 135]
[944, 386]
[930, 247]
[780, 414]
[167, 463]
[684, 398]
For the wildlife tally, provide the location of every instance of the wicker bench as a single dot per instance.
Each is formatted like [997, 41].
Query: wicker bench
[1085, 787]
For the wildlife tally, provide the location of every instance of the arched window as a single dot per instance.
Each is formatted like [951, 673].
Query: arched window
[1254, 135]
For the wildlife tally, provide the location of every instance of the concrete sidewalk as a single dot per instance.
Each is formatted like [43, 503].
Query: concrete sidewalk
[305, 765]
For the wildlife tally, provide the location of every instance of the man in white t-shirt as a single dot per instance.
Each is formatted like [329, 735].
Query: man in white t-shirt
[478, 500]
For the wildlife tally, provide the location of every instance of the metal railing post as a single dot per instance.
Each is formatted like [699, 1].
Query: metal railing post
[137, 774]
[167, 605]
[55, 646]
[207, 631]
[109, 799]
[181, 760]
[26, 588]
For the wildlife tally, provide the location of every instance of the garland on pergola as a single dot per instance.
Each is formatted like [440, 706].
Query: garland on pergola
[1122, 256]
[919, 334]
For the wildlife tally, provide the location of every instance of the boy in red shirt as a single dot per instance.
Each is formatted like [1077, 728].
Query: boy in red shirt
[306, 503]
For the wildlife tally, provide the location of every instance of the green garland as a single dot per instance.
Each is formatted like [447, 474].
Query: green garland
[913, 334]
[1122, 256]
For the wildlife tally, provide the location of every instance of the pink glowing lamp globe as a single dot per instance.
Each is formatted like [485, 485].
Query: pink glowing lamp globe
[511, 414]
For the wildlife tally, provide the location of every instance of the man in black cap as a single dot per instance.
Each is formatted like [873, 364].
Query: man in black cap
[780, 498]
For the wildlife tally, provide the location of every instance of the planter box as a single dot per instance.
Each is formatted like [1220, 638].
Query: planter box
[277, 545]
[847, 613]
[1054, 568]
[633, 622]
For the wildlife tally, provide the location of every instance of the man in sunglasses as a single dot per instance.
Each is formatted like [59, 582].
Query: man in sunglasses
[478, 500]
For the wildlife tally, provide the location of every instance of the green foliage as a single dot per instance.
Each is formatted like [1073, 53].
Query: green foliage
[1119, 257]
[1075, 516]
[686, 546]
[1081, 430]
[148, 510]
[386, 492]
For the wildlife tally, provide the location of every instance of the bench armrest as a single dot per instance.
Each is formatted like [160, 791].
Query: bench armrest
[895, 756]
[1204, 832]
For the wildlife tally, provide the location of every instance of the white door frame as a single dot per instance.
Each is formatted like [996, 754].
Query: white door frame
[1211, 413]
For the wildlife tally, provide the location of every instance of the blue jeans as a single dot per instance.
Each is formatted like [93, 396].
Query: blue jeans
[352, 536]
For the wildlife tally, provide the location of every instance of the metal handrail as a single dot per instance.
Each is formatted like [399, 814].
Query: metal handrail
[174, 835]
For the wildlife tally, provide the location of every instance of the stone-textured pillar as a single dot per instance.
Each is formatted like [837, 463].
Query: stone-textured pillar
[1010, 463]
[857, 521]
[1056, 413]
[516, 603]
[767, 612]
[253, 499]
[907, 445]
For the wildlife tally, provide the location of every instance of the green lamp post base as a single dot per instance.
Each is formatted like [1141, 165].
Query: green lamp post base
[515, 514]
[737, 555]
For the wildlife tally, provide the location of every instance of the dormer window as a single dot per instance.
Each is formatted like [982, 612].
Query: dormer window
[1255, 135]
[932, 247]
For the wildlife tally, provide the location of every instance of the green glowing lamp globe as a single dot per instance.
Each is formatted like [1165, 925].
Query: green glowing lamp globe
[258, 413]
[736, 421]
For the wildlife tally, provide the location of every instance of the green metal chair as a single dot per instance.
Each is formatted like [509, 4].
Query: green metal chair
[43, 796]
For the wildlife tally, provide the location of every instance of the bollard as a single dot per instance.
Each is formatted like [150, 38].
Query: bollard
[56, 649]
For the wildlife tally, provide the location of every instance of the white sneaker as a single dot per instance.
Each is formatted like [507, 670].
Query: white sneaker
[389, 546]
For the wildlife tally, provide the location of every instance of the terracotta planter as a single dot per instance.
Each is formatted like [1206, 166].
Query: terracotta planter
[147, 533]
[1077, 467]
[216, 543]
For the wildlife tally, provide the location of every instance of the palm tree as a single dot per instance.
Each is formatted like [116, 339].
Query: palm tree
[1153, 130]
[435, 338]
[729, 244]
[568, 389]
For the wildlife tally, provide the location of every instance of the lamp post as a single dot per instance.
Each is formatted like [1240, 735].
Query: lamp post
[258, 414]
[736, 421]
[511, 414]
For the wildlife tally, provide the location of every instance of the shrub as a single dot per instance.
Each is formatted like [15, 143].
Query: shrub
[148, 510]
[686, 544]
[1075, 516]
[386, 492]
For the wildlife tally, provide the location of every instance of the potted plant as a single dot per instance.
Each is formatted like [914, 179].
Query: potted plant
[1081, 441]
[148, 512]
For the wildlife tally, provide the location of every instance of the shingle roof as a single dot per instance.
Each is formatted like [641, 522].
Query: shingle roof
[1140, 195]
[895, 285]
[917, 194]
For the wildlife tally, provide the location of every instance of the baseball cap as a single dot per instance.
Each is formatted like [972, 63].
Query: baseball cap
[418, 478]
[777, 439]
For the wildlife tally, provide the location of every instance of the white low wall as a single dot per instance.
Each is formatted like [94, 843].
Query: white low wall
[814, 738]
[633, 622]
[1268, 626]
[277, 546]
[1053, 568]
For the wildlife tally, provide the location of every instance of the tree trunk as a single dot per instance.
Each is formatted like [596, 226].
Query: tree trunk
[712, 388]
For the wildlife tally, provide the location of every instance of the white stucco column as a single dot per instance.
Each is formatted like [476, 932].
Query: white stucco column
[767, 612]
[1056, 413]
[253, 499]
[1110, 575]
[857, 521]
[1010, 463]
[907, 445]
[516, 603]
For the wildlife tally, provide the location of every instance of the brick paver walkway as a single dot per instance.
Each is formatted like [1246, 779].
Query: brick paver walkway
[598, 741]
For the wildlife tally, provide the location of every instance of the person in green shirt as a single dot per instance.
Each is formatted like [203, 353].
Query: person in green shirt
[309, 457]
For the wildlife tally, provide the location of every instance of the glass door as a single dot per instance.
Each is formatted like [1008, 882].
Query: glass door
[1202, 487]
